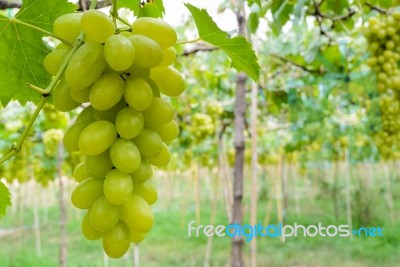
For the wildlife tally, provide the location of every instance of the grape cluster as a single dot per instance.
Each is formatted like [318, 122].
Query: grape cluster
[383, 35]
[125, 126]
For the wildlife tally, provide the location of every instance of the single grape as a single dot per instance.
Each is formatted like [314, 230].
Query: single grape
[80, 96]
[169, 57]
[85, 66]
[62, 100]
[162, 159]
[97, 137]
[97, 26]
[86, 193]
[144, 172]
[156, 29]
[53, 60]
[159, 112]
[98, 165]
[137, 237]
[138, 93]
[87, 229]
[137, 71]
[125, 155]
[129, 123]
[107, 91]
[119, 52]
[148, 52]
[103, 215]
[117, 241]
[149, 143]
[117, 187]
[86, 114]
[167, 131]
[80, 173]
[68, 26]
[137, 214]
[146, 191]
[168, 80]
[71, 137]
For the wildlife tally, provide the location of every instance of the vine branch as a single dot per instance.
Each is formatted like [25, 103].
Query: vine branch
[379, 9]
[315, 71]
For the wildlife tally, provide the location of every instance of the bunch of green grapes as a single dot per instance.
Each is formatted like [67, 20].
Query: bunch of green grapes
[383, 35]
[118, 76]
[202, 125]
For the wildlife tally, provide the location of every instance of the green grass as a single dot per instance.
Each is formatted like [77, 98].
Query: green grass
[168, 244]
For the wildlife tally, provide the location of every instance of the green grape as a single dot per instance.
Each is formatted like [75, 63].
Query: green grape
[144, 172]
[62, 100]
[137, 237]
[53, 60]
[167, 131]
[99, 165]
[146, 191]
[119, 52]
[71, 137]
[125, 33]
[97, 137]
[109, 114]
[68, 26]
[97, 26]
[137, 214]
[169, 57]
[156, 29]
[168, 80]
[80, 96]
[86, 193]
[86, 114]
[138, 93]
[87, 230]
[162, 159]
[129, 123]
[85, 66]
[149, 143]
[80, 173]
[117, 241]
[125, 155]
[117, 187]
[103, 215]
[137, 71]
[159, 112]
[107, 91]
[148, 53]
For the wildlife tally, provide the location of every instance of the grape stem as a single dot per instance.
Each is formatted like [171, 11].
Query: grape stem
[17, 21]
[123, 21]
[189, 41]
[114, 12]
[16, 147]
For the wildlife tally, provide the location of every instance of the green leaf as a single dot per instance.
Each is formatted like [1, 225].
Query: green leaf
[237, 48]
[281, 11]
[23, 51]
[133, 5]
[5, 199]
[251, 2]
[153, 9]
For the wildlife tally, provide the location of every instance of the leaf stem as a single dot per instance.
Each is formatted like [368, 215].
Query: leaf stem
[124, 21]
[114, 12]
[45, 92]
[189, 41]
[17, 21]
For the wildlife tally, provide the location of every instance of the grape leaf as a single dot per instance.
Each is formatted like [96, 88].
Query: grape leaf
[281, 11]
[22, 49]
[133, 5]
[4, 199]
[237, 48]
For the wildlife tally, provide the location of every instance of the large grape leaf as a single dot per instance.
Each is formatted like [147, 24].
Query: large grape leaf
[237, 48]
[22, 49]
[4, 199]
